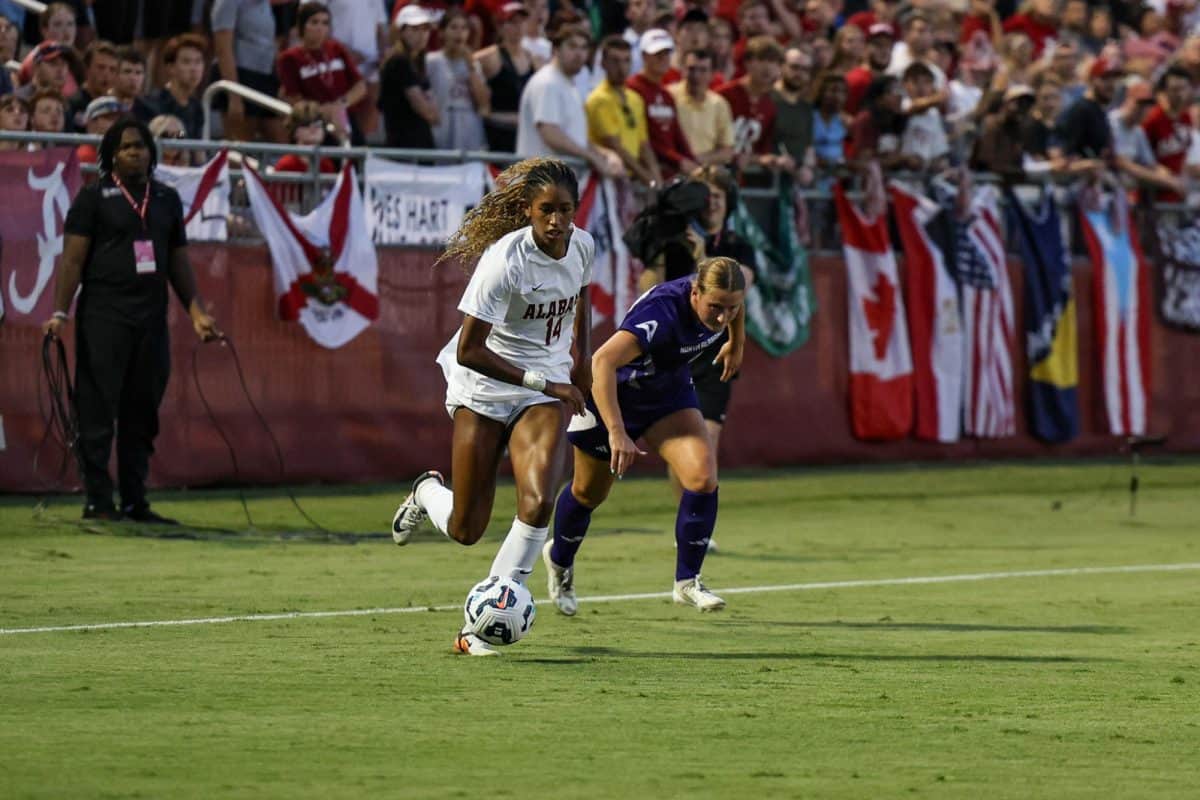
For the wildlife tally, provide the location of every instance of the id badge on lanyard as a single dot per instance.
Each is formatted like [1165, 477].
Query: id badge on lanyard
[143, 247]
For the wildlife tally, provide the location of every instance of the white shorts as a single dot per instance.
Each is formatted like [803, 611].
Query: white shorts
[505, 411]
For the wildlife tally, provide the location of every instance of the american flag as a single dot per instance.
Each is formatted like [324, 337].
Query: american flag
[987, 309]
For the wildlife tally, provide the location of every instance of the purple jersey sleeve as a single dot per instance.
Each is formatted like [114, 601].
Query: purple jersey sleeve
[651, 321]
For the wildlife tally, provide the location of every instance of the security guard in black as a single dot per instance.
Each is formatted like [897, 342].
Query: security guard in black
[124, 243]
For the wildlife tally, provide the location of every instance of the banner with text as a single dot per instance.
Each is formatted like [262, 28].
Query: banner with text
[415, 205]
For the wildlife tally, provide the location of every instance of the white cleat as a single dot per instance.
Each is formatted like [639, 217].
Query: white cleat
[468, 644]
[410, 514]
[693, 592]
[560, 581]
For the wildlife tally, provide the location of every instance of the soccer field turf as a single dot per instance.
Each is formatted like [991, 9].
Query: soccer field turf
[1061, 684]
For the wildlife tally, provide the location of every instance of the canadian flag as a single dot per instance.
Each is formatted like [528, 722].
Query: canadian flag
[205, 194]
[326, 271]
[881, 371]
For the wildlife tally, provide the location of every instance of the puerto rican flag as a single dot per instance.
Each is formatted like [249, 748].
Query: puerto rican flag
[934, 322]
[988, 319]
[881, 368]
[326, 270]
[1122, 310]
[606, 209]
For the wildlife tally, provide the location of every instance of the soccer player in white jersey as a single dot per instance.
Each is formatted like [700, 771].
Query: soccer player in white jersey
[509, 367]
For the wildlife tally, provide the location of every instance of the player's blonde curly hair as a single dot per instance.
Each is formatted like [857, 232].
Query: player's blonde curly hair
[506, 208]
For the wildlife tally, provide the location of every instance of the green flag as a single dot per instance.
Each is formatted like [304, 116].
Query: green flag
[780, 304]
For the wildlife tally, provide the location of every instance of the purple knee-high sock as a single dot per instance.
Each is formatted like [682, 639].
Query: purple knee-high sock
[571, 520]
[693, 528]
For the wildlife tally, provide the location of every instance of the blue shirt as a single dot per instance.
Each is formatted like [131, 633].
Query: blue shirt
[670, 335]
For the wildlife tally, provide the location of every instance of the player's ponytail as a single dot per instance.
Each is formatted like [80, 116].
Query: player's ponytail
[719, 272]
[505, 209]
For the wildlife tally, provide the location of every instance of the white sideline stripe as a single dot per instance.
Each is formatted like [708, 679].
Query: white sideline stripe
[618, 598]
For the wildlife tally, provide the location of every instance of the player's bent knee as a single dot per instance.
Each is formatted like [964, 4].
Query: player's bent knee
[466, 531]
[700, 482]
[590, 496]
[535, 510]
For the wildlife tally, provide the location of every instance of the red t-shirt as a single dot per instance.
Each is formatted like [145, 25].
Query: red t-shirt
[857, 81]
[972, 24]
[666, 137]
[294, 163]
[1169, 139]
[1038, 32]
[322, 76]
[675, 76]
[753, 118]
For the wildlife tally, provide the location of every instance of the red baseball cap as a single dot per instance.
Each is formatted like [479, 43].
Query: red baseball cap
[1103, 66]
[510, 10]
[881, 29]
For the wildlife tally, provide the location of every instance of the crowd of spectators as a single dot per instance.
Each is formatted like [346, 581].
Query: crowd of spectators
[646, 89]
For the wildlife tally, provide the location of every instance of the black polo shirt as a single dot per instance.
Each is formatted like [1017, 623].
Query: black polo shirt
[191, 115]
[112, 287]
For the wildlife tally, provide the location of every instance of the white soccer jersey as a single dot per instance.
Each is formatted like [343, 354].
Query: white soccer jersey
[530, 301]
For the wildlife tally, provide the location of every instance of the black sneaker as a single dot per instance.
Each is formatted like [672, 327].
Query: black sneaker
[147, 515]
[105, 514]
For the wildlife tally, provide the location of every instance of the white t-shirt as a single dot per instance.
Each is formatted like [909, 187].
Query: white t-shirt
[550, 96]
[530, 301]
[925, 135]
[356, 25]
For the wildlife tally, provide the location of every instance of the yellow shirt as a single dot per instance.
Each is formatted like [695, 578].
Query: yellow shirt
[708, 125]
[608, 116]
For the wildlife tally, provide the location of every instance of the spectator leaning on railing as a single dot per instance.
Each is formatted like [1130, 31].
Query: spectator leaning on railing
[552, 118]
[793, 111]
[617, 117]
[998, 148]
[99, 75]
[753, 110]
[1132, 149]
[1168, 126]
[409, 113]
[1083, 131]
[320, 68]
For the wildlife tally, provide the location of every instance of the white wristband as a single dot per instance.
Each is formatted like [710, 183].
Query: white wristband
[62, 315]
[534, 380]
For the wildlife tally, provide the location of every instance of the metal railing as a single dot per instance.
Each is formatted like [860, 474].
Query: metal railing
[31, 5]
[246, 93]
[313, 184]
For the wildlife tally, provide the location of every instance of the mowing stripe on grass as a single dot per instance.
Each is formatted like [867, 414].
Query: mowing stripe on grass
[617, 598]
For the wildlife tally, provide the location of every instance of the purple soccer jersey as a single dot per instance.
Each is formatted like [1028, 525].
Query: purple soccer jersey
[669, 332]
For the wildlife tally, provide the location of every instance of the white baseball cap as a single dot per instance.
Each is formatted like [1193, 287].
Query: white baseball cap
[656, 40]
[413, 14]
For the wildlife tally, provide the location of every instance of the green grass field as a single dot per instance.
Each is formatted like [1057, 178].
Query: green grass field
[1050, 686]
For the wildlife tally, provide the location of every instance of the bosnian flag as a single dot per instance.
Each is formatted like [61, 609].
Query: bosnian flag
[325, 265]
[606, 209]
[1122, 310]
[988, 318]
[205, 195]
[934, 323]
[881, 373]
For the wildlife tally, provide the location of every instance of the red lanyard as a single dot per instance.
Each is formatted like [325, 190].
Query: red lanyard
[141, 211]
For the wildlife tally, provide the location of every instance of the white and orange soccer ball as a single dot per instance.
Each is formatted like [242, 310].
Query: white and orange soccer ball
[499, 610]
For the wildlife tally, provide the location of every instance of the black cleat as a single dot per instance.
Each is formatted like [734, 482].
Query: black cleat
[145, 514]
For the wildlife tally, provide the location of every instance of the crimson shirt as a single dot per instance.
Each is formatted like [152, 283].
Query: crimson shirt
[753, 118]
[857, 82]
[1038, 32]
[320, 75]
[666, 137]
[1170, 139]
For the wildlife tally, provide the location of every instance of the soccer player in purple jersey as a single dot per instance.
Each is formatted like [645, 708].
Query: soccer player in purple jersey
[510, 369]
[642, 387]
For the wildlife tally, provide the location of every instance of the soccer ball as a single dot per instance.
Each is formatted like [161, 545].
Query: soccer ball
[499, 610]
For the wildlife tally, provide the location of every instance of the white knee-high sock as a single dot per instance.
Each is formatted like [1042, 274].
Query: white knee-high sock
[438, 501]
[519, 551]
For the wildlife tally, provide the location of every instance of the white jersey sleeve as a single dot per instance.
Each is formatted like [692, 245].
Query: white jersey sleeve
[588, 248]
[492, 286]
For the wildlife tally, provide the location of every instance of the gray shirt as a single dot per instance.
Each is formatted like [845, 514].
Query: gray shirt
[1130, 141]
[461, 127]
[253, 27]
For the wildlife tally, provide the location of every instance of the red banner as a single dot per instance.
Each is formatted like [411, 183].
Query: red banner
[38, 188]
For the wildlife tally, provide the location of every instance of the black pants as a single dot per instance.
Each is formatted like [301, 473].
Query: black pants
[121, 372]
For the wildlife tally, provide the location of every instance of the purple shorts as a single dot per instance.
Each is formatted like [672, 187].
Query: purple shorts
[640, 409]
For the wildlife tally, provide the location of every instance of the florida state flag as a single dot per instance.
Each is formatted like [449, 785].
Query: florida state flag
[881, 367]
[325, 265]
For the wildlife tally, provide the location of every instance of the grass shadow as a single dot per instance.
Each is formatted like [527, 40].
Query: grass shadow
[612, 652]
[946, 627]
